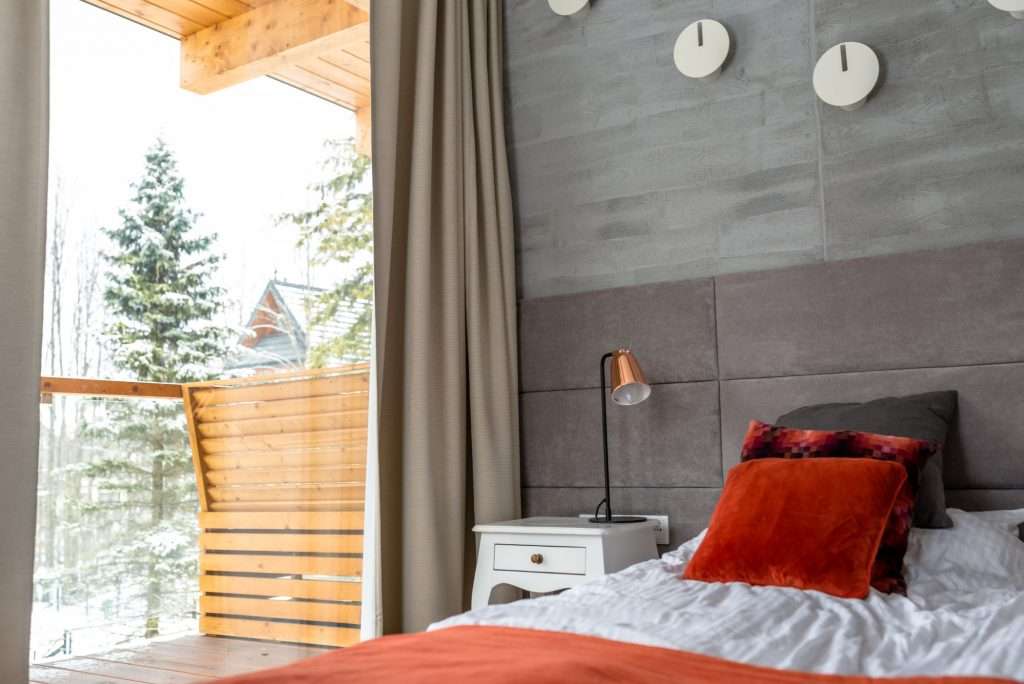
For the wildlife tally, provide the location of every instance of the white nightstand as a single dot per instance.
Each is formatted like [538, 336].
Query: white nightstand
[548, 554]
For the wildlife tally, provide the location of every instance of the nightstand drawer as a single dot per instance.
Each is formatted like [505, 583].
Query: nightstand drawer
[566, 560]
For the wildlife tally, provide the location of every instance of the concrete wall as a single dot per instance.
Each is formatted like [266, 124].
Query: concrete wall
[628, 173]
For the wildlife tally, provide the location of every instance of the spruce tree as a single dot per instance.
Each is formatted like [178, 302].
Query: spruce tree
[162, 301]
[340, 230]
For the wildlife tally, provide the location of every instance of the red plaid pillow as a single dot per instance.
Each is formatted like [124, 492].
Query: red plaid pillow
[774, 441]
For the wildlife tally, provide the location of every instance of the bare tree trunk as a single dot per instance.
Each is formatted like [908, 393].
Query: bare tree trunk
[153, 587]
[84, 341]
[52, 458]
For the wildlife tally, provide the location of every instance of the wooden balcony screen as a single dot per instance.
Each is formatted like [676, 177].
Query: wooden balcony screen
[280, 464]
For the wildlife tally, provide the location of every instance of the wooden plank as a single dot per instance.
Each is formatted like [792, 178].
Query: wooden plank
[109, 388]
[152, 16]
[300, 77]
[202, 657]
[323, 590]
[346, 505]
[226, 8]
[337, 520]
[354, 454]
[212, 656]
[206, 395]
[346, 436]
[299, 423]
[334, 403]
[84, 669]
[294, 374]
[333, 473]
[318, 611]
[196, 12]
[334, 73]
[186, 660]
[326, 491]
[280, 631]
[241, 655]
[281, 565]
[359, 50]
[51, 674]
[197, 458]
[267, 38]
[256, 543]
[349, 62]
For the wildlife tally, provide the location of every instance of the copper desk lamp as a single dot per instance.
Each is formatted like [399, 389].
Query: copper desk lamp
[629, 387]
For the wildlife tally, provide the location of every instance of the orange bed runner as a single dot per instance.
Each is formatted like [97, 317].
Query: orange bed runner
[502, 655]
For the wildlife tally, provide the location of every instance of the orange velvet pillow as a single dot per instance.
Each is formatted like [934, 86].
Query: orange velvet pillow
[809, 523]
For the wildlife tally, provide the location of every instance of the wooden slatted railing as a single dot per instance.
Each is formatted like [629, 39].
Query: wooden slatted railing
[280, 463]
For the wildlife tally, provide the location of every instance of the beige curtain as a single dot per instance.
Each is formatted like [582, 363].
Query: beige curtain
[445, 300]
[24, 90]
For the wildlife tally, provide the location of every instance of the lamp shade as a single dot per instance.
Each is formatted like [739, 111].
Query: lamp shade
[629, 386]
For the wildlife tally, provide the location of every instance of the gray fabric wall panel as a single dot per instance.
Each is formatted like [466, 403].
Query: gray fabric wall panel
[670, 440]
[934, 308]
[670, 326]
[688, 508]
[949, 319]
[984, 452]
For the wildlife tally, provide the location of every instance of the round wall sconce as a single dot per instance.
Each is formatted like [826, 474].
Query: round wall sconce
[846, 74]
[701, 49]
[567, 7]
[1014, 7]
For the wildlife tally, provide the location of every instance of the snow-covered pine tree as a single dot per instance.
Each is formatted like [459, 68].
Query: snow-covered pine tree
[340, 230]
[161, 298]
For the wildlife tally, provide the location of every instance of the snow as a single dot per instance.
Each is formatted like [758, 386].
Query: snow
[91, 631]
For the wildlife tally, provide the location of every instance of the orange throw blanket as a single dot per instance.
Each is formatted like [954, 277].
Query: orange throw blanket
[502, 655]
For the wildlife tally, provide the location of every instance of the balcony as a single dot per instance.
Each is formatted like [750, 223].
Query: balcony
[234, 544]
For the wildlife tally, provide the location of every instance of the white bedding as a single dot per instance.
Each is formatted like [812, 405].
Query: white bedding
[954, 621]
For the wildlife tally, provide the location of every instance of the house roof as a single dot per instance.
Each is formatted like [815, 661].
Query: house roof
[280, 332]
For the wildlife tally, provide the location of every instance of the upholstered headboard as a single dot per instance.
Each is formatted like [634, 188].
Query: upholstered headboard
[854, 330]
[722, 351]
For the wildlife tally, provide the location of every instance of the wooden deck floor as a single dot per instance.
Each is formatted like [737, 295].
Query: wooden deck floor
[185, 660]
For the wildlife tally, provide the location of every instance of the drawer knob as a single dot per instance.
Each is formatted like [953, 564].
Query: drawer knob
[536, 559]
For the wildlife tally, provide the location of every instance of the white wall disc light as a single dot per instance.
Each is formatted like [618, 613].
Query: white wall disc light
[1014, 7]
[846, 74]
[567, 7]
[701, 49]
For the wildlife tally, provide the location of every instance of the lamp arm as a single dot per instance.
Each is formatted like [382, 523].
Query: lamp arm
[604, 435]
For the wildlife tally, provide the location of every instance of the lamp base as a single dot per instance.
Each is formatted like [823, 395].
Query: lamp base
[620, 519]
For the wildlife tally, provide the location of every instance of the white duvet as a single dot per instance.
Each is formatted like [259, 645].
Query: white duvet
[964, 613]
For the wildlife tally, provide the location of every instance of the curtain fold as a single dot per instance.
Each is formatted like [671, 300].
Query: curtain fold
[448, 434]
[24, 114]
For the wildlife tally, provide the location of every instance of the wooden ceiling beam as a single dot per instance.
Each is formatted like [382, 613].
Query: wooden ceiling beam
[266, 38]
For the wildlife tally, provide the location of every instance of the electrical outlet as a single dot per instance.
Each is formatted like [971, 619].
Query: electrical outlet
[660, 529]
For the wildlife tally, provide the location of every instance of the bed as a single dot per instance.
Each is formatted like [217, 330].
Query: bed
[956, 619]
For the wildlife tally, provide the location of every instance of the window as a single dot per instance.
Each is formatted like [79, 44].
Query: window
[209, 279]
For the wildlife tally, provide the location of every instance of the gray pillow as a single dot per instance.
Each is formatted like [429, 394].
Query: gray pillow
[920, 416]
